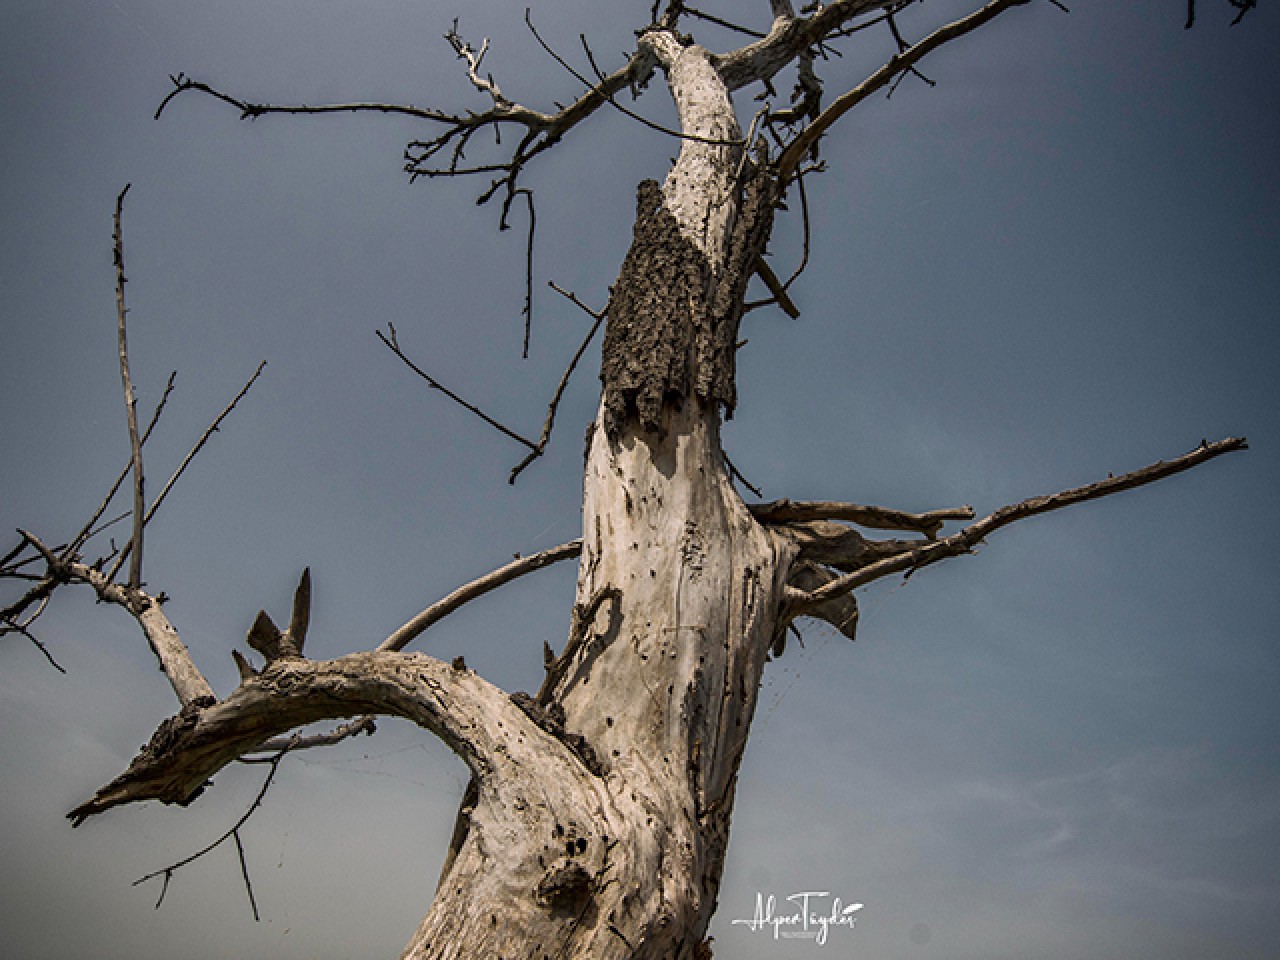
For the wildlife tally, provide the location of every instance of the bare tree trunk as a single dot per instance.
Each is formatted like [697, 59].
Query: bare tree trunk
[679, 597]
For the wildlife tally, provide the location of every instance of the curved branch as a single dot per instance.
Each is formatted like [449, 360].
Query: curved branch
[478, 588]
[476, 719]
[248, 109]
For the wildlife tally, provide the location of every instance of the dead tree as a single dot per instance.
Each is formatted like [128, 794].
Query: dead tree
[597, 818]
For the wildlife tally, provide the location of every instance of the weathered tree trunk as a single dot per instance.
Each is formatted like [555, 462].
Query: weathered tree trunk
[597, 818]
[679, 599]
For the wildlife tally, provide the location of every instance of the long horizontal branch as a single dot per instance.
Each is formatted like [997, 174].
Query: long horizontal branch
[964, 541]
[250, 109]
[503, 111]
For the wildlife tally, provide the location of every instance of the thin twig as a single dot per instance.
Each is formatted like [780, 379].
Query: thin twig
[583, 616]
[297, 741]
[23, 629]
[804, 221]
[709, 18]
[528, 265]
[478, 588]
[191, 455]
[735, 472]
[393, 344]
[547, 424]
[204, 438]
[248, 109]
[244, 872]
[233, 833]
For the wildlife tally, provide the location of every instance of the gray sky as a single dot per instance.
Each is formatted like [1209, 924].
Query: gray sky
[1059, 262]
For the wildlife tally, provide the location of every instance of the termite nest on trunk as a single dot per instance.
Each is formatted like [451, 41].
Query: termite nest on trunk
[672, 319]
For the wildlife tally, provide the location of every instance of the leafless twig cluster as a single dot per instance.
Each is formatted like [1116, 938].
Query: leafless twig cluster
[66, 563]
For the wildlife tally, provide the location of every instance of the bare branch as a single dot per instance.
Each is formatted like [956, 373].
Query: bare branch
[204, 438]
[391, 340]
[168, 872]
[393, 344]
[841, 612]
[299, 741]
[1244, 6]
[175, 660]
[130, 399]
[876, 518]
[528, 263]
[583, 616]
[191, 455]
[907, 59]
[964, 541]
[300, 619]
[543, 130]
[612, 101]
[547, 424]
[24, 628]
[478, 588]
[835, 545]
[473, 59]
[788, 37]
[737, 474]
[780, 295]
[249, 110]
[720, 22]
[87, 531]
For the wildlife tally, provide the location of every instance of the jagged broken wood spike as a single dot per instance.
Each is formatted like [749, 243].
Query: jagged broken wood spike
[243, 666]
[300, 620]
[265, 637]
